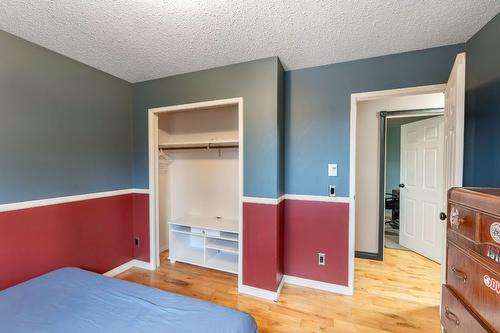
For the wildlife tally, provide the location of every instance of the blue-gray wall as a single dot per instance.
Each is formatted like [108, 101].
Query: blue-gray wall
[482, 107]
[393, 160]
[317, 110]
[65, 128]
[281, 130]
[255, 81]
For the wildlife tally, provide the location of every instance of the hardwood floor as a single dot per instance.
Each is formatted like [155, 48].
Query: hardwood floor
[400, 295]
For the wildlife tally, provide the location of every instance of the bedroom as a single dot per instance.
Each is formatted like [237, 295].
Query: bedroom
[121, 119]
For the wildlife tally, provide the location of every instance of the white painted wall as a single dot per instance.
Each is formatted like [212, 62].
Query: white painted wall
[198, 182]
[367, 164]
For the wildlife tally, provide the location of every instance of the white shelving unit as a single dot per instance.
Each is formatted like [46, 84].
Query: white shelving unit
[205, 241]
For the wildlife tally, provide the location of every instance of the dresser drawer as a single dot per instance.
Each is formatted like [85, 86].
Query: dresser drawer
[489, 242]
[477, 285]
[455, 317]
[463, 221]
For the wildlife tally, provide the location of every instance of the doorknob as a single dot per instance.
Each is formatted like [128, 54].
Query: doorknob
[442, 216]
[401, 185]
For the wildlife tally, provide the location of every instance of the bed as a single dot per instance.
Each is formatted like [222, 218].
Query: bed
[74, 300]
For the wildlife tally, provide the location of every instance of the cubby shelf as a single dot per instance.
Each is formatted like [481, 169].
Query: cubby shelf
[205, 241]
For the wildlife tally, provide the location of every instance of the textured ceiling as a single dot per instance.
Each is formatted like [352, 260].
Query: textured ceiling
[144, 39]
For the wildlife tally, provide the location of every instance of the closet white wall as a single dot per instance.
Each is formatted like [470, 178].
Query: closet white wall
[198, 182]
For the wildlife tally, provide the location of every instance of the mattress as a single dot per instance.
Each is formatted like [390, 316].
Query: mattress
[74, 300]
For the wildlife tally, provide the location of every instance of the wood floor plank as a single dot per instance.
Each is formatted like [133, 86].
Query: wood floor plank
[400, 294]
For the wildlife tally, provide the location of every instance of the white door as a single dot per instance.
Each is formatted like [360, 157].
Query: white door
[454, 97]
[421, 198]
[454, 109]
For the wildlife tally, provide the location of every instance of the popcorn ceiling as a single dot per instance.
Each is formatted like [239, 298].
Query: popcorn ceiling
[147, 39]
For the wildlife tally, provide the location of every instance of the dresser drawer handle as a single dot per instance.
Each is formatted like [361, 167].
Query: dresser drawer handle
[451, 316]
[459, 274]
[456, 219]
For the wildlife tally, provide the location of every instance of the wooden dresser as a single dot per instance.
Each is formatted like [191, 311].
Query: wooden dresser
[471, 295]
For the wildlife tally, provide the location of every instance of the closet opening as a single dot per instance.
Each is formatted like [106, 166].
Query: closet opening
[196, 184]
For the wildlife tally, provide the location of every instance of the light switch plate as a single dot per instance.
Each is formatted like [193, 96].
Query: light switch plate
[332, 170]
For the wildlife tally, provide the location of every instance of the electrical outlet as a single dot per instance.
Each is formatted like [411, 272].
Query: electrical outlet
[321, 259]
[331, 191]
[137, 242]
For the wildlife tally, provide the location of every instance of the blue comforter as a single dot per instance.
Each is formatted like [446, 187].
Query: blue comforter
[74, 300]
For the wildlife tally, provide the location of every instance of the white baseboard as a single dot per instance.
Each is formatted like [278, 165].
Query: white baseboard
[128, 265]
[261, 293]
[280, 286]
[331, 287]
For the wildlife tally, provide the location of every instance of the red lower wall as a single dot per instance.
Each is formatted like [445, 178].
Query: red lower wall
[262, 238]
[95, 234]
[313, 227]
[140, 221]
[286, 239]
[280, 261]
[98, 235]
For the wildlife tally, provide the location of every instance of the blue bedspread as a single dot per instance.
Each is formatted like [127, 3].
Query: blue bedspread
[74, 300]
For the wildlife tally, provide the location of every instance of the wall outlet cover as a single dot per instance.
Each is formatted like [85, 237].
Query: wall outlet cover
[331, 191]
[321, 259]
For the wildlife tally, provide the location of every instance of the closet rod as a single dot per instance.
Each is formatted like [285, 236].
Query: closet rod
[200, 147]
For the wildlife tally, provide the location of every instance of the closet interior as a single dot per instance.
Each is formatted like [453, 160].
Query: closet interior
[198, 190]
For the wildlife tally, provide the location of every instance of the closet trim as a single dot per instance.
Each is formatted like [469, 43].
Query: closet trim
[153, 172]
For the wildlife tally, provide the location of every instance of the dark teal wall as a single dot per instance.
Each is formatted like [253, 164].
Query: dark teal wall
[256, 82]
[317, 110]
[482, 107]
[65, 128]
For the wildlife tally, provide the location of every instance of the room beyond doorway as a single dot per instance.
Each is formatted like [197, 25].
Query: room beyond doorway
[412, 182]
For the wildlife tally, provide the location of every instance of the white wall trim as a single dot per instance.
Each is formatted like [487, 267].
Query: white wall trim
[330, 287]
[197, 105]
[153, 169]
[66, 199]
[128, 265]
[261, 293]
[140, 190]
[380, 94]
[321, 198]
[275, 201]
[264, 201]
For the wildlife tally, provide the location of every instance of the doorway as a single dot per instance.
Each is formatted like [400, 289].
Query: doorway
[412, 181]
[366, 239]
[370, 153]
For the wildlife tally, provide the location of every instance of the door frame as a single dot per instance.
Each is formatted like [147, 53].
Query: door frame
[383, 115]
[153, 113]
[355, 99]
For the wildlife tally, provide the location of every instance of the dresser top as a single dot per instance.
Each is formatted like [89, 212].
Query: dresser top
[478, 198]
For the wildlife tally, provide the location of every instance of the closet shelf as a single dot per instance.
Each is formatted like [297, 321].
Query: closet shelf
[212, 144]
[208, 222]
